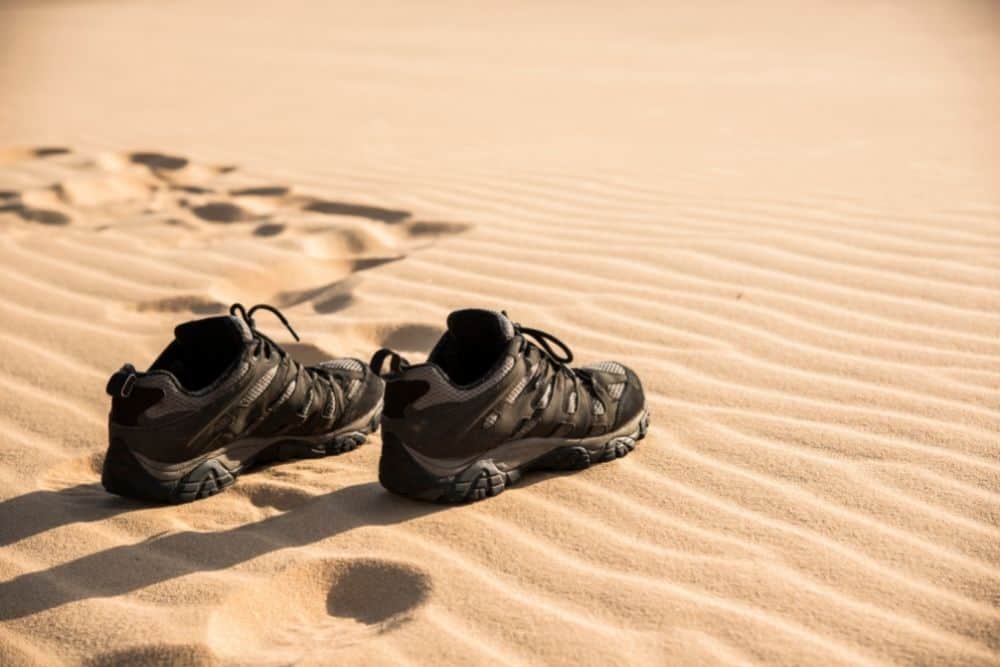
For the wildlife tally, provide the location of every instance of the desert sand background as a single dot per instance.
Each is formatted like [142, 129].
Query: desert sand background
[785, 216]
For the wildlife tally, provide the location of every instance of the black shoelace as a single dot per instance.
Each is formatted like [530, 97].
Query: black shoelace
[541, 340]
[264, 344]
[247, 316]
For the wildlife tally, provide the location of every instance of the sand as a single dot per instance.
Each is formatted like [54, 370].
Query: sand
[785, 216]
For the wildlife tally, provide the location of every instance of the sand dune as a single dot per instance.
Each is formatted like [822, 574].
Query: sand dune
[785, 217]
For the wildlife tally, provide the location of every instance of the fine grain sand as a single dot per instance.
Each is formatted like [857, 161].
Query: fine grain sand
[785, 216]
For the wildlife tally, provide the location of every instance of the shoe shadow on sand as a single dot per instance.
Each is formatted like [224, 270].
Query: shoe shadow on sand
[113, 572]
[40, 511]
[127, 193]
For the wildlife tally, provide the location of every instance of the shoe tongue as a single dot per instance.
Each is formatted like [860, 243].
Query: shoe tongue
[225, 327]
[483, 328]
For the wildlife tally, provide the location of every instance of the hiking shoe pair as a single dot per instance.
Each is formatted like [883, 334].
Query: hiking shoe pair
[493, 400]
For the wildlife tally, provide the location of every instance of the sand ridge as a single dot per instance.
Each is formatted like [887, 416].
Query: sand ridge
[786, 220]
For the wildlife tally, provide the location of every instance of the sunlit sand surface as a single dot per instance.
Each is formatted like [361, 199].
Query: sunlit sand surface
[784, 216]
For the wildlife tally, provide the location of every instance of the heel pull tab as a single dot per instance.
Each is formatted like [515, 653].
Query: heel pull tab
[121, 383]
[397, 364]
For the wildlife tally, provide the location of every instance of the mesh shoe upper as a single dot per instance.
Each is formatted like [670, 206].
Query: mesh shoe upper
[489, 381]
[220, 381]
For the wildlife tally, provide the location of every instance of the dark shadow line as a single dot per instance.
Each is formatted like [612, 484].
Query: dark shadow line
[386, 215]
[114, 572]
[39, 511]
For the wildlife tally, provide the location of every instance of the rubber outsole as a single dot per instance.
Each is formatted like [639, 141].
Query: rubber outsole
[400, 474]
[123, 475]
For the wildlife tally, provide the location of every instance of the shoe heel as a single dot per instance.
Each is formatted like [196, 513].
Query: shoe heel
[123, 475]
[400, 474]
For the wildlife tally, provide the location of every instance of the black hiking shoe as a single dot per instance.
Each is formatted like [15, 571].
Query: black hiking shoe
[490, 404]
[222, 397]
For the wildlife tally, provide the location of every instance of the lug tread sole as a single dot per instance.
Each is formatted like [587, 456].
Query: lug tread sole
[123, 475]
[483, 479]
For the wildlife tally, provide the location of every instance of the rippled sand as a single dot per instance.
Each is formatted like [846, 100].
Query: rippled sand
[785, 216]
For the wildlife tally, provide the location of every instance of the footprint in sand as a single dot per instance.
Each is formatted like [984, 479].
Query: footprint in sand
[378, 593]
[386, 215]
[183, 304]
[331, 303]
[159, 160]
[312, 609]
[42, 216]
[192, 189]
[261, 191]
[20, 153]
[327, 298]
[307, 246]
[13, 201]
[269, 229]
[224, 212]
[50, 151]
[435, 228]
